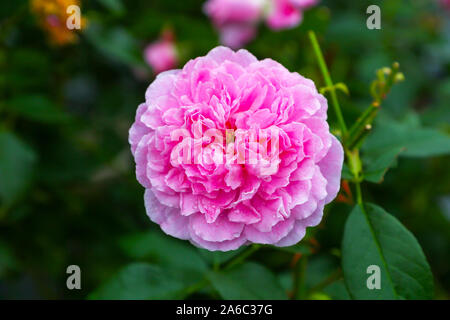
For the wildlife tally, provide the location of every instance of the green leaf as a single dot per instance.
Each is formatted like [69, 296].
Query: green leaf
[320, 268]
[116, 43]
[219, 257]
[376, 165]
[37, 108]
[16, 166]
[337, 290]
[115, 6]
[389, 135]
[141, 281]
[249, 281]
[7, 260]
[376, 238]
[165, 251]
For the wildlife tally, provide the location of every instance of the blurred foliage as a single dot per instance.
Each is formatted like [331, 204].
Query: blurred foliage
[68, 193]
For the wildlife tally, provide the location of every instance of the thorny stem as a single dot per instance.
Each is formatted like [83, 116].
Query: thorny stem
[351, 151]
[386, 78]
[362, 126]
[241, 257]
[358, 193]
[353, 158]
[328, 81]
[353, 138]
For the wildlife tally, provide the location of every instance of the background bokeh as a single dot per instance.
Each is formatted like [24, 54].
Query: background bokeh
[68, 193]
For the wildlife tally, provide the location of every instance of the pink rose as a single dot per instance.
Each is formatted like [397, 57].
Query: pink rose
[236, 20]
[287, 13]
[236, 35]
[445, 4]
[234, 11]
[304, 4]
[232, 150]
[161, 55]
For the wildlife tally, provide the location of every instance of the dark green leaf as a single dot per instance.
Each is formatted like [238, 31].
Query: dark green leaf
[166, 251]
[115, 6]
[337, 290]
[7, 260]
[37, 108]
[376, 165]
[116, 43]
[320, 268]
[16, 165]
[389, 136]
[141, 281]
[377, 238]
[219, 257]
[249, 281]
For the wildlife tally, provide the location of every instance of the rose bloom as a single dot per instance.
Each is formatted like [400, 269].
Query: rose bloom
[237, 35]
[237, 20]
[161, 55]
[223, 200]
[287, 13]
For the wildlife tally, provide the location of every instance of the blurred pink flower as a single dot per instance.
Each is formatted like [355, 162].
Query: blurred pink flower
[236, 35]
[53, 20]
[304, 4]
[219, 199]
[161, 55]
[234, 11]
[287, 13]
[237, 20]
[445, 4]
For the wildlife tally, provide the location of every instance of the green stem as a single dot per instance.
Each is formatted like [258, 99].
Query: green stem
[353, 158]
[299, 278]
[329, 280]
[359, 199]
[225, 266]
[241, 257]
[328, 81]
[216, 262]
[359, 130]
[195, 287]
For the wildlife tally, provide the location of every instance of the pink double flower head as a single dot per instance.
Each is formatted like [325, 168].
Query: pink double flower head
[237, 20]
[233, 151]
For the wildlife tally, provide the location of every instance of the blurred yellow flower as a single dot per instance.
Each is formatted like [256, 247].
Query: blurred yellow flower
[52, 16]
